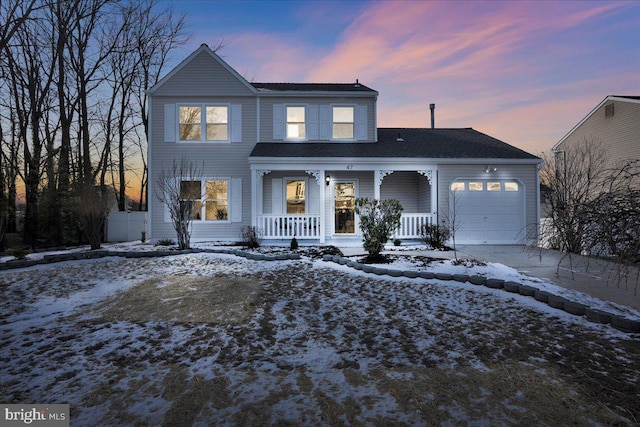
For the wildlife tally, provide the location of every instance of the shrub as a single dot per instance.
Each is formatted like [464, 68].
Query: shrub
[20, 253]
[252, 236]
[294, 244]
[435, 235]
[378, 221]
[397, 242]
[165, 242]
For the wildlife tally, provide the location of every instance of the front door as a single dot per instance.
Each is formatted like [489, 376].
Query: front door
[344, 207]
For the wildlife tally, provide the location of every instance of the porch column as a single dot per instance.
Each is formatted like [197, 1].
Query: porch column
[257, 194]
[323, 198]
[434, 191]
[319, 175]
[432, 179]
[378, 176]
[254, 197]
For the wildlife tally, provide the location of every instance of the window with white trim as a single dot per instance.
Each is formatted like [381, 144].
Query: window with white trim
[296, 128]
[203, 123]
[343, 123]
[209, 199]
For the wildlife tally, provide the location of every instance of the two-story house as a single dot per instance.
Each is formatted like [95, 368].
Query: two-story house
[292, 158]
[613, 126]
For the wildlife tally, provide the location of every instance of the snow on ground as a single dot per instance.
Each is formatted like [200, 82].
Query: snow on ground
[324, 344]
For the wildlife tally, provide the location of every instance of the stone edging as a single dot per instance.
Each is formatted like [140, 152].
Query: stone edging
[621, 323]
[102, 253]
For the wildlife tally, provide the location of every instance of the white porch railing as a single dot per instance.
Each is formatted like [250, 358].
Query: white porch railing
[287, 226]
[411, 223]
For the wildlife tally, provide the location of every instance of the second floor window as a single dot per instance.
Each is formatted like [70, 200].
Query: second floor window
[343, 123]
[204, 123]
[295, 123]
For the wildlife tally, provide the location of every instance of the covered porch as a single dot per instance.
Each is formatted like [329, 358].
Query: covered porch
[317, 202]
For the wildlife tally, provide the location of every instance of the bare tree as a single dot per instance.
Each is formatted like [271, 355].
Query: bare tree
[574, 177]
[179, 187]
[451, 220]
[14, 14]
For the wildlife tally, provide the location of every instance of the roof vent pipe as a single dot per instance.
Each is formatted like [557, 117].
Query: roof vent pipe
[432, 107]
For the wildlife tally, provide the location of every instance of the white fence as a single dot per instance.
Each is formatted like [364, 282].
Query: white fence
[125, 226]
[411, 225]
[287, 226]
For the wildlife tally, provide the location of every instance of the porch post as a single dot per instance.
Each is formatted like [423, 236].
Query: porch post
[257, 194]
[378, 176]
[434, 191]
[432, 179]
[254, 197]
[323, 194]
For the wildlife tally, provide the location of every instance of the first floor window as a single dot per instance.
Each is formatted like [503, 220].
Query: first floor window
[207, 200]
[343, 122]
[191, 198]
[217, 200]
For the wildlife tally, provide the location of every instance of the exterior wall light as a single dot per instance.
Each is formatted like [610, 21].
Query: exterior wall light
[490, 169]
[328, 180]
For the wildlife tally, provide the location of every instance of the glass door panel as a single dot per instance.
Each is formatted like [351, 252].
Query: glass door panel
[344, 203]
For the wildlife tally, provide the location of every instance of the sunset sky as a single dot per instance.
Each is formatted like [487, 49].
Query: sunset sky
[524, 72]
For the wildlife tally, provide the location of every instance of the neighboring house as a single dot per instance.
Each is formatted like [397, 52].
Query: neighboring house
[291, 159]
[614, 123]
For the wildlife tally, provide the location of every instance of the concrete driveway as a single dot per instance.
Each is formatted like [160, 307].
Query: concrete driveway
[599, 278]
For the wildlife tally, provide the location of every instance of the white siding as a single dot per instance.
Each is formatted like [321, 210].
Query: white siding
[619, 134]
[203, 76]
[216, 159]
[268, 120]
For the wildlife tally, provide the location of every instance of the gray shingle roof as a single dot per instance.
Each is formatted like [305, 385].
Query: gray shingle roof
[463, 143]
[312, 87]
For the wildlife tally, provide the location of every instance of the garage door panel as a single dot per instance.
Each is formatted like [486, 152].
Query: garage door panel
[489, 216]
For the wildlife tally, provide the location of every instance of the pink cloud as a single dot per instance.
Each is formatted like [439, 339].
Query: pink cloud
[489, 65]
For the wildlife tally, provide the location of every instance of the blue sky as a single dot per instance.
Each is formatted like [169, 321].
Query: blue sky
[524, 72]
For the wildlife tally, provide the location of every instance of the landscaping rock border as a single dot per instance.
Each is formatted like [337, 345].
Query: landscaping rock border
[102, 253]
[620, 323]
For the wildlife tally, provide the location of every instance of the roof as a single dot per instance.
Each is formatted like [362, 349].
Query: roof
[425, 143]
[621, 98]
[312, 87]
[292, 89]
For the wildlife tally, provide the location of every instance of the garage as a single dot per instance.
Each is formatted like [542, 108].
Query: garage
[488, 211]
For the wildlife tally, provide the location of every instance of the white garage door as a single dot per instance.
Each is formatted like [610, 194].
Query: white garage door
[488, 211]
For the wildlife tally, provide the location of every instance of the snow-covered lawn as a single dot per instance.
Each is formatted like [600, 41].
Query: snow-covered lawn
[213, 339]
